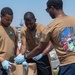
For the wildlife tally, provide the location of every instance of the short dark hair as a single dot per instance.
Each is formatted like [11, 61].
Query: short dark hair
[58, 4]
[29, 15]
[6, 10]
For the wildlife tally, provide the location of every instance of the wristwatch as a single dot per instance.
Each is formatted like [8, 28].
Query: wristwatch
[25, 56]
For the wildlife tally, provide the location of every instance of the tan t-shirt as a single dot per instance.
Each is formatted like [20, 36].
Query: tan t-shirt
[52, 32]
[32, 38]
[8, 37]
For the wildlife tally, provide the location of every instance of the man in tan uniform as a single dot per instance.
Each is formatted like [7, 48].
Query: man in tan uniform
[30, 36]
[8, 40]
[61, 33]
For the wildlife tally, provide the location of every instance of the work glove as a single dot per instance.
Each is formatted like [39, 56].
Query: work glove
[19, 59]
[38, 57]
[6, 64]
[26, 65]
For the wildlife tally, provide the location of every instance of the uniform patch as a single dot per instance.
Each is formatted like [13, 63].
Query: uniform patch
[43, 35]
[67, 38]
[11, 33]
[37, 36]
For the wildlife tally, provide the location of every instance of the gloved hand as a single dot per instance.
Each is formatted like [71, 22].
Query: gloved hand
[26, 65]
[19, 59]
[6, 64]
[38, 57]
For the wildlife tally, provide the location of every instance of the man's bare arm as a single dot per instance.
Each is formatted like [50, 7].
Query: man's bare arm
[47, 49]
[16, 49]
[23, 46]
[37, 50]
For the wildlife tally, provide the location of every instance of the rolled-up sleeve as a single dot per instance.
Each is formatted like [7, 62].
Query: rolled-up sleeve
[45, 35]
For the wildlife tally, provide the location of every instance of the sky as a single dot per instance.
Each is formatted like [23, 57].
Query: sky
[20, 7]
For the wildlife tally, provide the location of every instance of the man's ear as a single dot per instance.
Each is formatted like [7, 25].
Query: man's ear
[52, 8]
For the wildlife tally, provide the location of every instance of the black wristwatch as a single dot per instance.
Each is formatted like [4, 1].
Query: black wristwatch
[25, 56]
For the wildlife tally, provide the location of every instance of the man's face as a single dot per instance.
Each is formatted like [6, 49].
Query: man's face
[51, 12]
[30, 24]
[6, 20]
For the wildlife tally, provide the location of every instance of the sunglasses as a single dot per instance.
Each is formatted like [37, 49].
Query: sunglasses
[47, 9]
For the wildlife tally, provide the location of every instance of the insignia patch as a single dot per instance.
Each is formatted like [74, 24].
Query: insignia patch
[37, 36]
[43, 35]
[10, 33]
